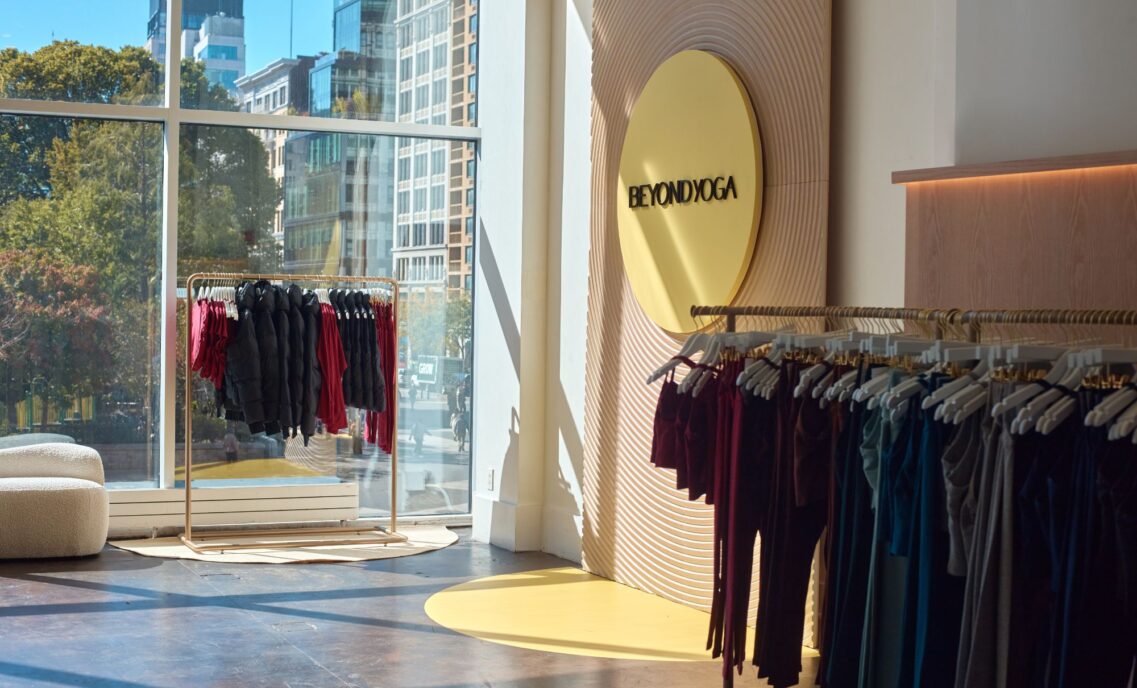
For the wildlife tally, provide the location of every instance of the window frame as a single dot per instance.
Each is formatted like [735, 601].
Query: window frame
[172, 116]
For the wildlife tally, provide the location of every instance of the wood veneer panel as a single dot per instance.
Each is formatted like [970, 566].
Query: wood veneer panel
[989, 169]
[638, 529]
[1058, 240]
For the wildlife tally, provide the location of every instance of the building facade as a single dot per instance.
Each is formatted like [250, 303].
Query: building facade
[339, 201]
[213, 31]
[433, 245]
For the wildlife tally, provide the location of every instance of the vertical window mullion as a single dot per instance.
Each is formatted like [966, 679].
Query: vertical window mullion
[171, 155]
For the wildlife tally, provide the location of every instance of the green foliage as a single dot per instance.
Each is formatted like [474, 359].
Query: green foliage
[80, 206]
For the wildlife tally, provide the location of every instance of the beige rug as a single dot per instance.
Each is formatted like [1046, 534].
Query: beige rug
[420, 539]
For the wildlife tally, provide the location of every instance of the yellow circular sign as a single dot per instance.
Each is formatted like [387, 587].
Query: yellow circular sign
[689, 194]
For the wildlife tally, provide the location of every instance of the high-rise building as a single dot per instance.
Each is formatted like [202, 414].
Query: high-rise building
[338, 204]
[213, 31]
[279, 88]
[434, 207]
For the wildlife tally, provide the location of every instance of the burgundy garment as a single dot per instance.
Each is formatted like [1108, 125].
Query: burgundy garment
[700, 435]
[718, 463]
[380, 425]
[748, 486]
[331, 409]
[679, 438]
[803, 440]
[663, 438]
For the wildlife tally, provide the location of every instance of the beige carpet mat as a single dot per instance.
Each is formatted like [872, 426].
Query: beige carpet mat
[420, 539]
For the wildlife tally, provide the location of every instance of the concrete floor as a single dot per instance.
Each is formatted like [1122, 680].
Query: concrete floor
[126, 621]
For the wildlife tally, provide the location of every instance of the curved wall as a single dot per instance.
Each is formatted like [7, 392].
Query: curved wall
[638, 530]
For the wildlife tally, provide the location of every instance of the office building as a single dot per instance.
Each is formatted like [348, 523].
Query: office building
[213, 31]
[434, 217]
[279, 88]
[338, 205]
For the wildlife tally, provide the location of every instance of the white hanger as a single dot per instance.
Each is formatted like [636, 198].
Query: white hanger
[874, 386]
[957, 402]
[823, 384]
[843, 387]
[957, 385]
[1030, 414]
[778, 338]
[973, 405]
[1110, 407]
[694, 343]
[814, 372]
[1125, 424]
[1028, 392]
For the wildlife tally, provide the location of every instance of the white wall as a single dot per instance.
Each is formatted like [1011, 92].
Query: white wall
[530, 300]
[569, 209]
[509, 295]
[892, 109]
[1045, 77]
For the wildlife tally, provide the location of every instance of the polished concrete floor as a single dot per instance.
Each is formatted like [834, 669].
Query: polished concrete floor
[126, 621]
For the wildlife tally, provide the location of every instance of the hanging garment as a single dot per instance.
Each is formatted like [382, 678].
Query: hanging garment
[885, 441]
[241, 397]
[263, 307]
[933, 597]
[989, 561]
[296, 358]
[804, 439]
[380, 429]
[663, 439]
[312, 376]
[679, 437]
[331, 409]
[850, 539]
[281, 324]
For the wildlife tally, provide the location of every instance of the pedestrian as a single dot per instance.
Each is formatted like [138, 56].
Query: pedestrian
[230, 444]
[418, 433]
[461, 430]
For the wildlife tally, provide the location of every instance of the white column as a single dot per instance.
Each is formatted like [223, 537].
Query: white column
[510, 293]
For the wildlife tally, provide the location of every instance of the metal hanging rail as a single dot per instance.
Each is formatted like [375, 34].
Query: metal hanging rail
[972, 320]
[307, 536]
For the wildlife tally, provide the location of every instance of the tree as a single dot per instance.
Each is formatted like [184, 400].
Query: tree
[81, 199]
[65, 353]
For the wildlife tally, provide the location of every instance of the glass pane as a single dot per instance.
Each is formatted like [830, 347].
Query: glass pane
[381, 60]
[80, 220]
[273, 201]
[90, 51]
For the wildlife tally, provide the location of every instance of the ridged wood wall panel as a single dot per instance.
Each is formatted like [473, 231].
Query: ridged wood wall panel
[638, 529]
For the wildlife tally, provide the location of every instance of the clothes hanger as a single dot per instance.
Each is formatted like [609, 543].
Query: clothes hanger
[1030, 414]
[694, 344]
[1030, 391]
[760, 365]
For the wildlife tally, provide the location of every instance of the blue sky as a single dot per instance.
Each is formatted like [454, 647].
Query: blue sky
[28, 25]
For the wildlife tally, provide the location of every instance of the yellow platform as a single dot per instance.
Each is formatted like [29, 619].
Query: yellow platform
[569, 611]
[247, 469]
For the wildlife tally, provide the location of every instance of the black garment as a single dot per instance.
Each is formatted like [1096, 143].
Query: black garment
[264, 305]
[358, 352]
[296, 356]
[281, 323]
[313, 380]
[343, 319]
[933, 598]
[851, 554]
[242, 392]
[366, 350]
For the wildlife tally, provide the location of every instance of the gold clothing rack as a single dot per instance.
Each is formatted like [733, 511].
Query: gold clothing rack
[279, 538]
[941, 318]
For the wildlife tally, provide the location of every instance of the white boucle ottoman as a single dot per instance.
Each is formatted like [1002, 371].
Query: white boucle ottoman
[52, 502]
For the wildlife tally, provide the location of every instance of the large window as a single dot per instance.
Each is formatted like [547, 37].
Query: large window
[98, 232]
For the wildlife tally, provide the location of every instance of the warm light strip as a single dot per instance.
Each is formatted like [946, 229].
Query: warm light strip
[1019, 168]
